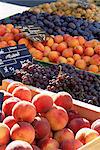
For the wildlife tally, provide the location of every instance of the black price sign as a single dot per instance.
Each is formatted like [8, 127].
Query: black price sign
[12, 58]
[33, 33]
[83, 3]
[1, 100]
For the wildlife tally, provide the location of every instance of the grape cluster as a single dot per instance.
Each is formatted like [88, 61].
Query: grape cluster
[55, 25]
[81, 85]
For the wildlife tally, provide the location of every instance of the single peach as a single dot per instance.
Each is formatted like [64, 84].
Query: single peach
[81, 40]
[78, 50]
[86, 59]
[62, 59]
[81, 64]
[64, 134]
[61, 47]
[9, 121]
[67, 53]
[70, 61]
[86, 135]
[42, 102]
[47, 50]
[58, 39]
[42, 127]
[12, 43]
[23, 93]
[88, 44]
[64, 100]
[8, 36]
[50, 42]
[8, 104]
[76, 57]
[72, 114]
[38, 46]
[24, 111]
[89, 51]
[37, 54]
[10, 26]
[19, 145]
[97, 49]
[96, 125]
[53, 56]
[78, 123]
[73, 43]
[95, 60]
[23, 131]
[54, 115]
[4, 134]
[54, 46]
[23, 41]
[3, 44]
[66, 37]
[15, 30]
[13, 85]
[2, 29]
[93, 68]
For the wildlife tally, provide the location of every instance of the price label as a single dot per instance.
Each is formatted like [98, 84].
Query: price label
[12, 58]
[1, 100]
[33, 33]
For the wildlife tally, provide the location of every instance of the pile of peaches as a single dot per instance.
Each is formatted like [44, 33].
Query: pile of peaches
[44, 121]
[75, 51]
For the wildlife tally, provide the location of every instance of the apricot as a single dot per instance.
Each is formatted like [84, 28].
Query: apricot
[10, 26]
[78, 123]
[61, 47]
[12, 43]
[15, 30]
[19, 145]
[86, 59]
[50, 42]
[3, 44]
[6, 94]
[42, 102]
[47, 50]
[58, 39]
[86, 135]
[53, 56]
[23, 41]
[2, 29]
[95, 60]
[23, 131]
[42, 127]
[93, 68]
[38, 46]
[13, 85]
[32, 50]
[78, 50]
[8, 36]
[37, 54]
[67, 53]
[70, 61]
[76, 57]
[64, 134]
[54, 46]
[96, 125]
[63, 99]
[81, 40]
[4, 134]
[88, 44]
[9, 104]
[54, 115]
[62, 59]
[81, 64]
[24, 111]
[73, 43]
[97, 49]
[89, 51]
[9, 121]
[66, 37]
[23, 93]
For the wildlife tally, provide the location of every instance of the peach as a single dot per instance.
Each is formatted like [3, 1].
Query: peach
[24, 111]
[6, 94]
[86, 59]
[15, 30]
[95, 60]
[8, 36]
[32, 50]
[10, 26]
[53, 56]
[42, 127]
[13, 85]
[58, 39]
[73, 43]
[4, 134]
[78, 50]
[81, 64]
[2, 29]
[12, 43]
[2, 116]
[9, 121]
[45, 59]
[63, 99]
[3, 44]
[54, 46]
[70, 61]
[18, 36]
[66, 37]
[29, 46]
[23, 131]
[86, 135]
[78, 123]
[47, 50]
[96, 125]
[9, 104]
[89, 51]
[50, 42]
[61, 47]
[71, 144]
[23, 41]
[62, 59]
[81, 40]
[88, 44]
[93, 68]
[42, 102]
[55, 114]
[67, 53]
[97, 49]
[38, 46]
[2, 147]
[37, 54]
[64, 134]
[76, 57]
[23, 93]
[72, 114]
[19, 145]
[49, 144]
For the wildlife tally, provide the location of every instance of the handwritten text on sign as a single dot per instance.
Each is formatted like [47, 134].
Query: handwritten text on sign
[11, 58]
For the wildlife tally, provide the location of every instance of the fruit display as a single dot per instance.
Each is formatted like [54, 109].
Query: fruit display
[69, 8]
[81, 85]
[34, 124]
[55, 25]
